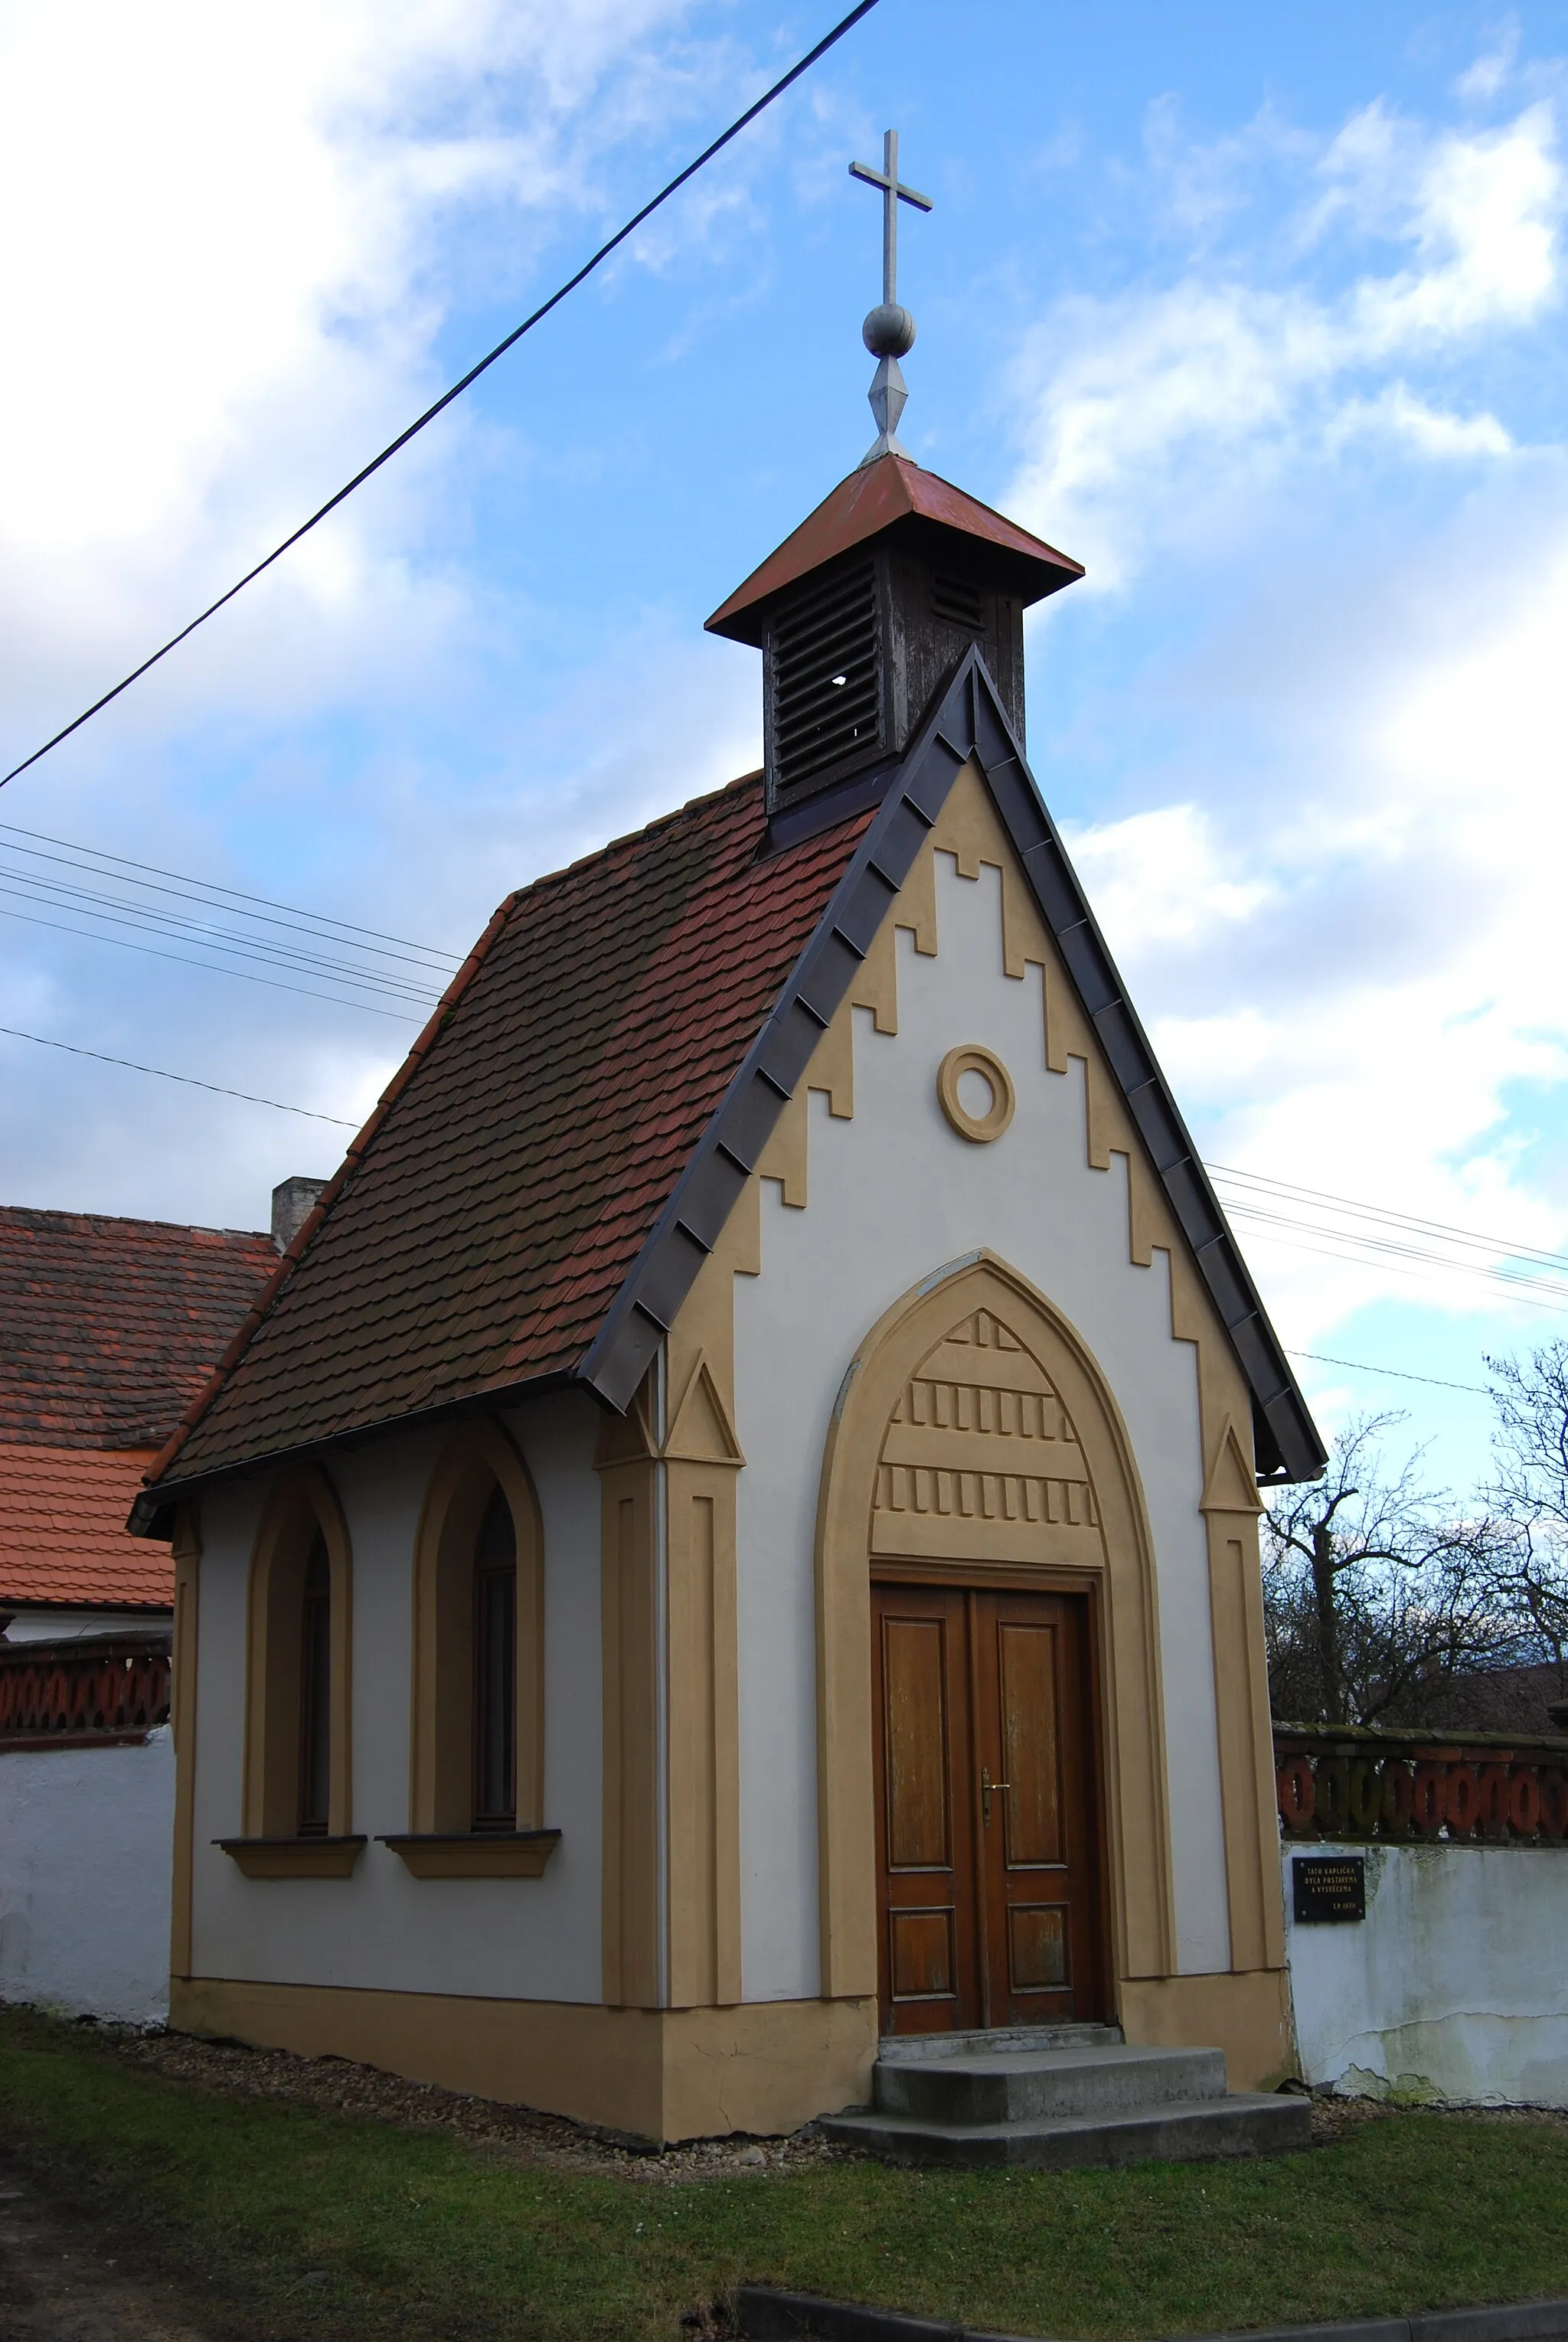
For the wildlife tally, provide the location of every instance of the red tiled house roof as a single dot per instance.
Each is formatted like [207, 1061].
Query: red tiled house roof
[110, 1327]
[487, 1216]
[63, 1537]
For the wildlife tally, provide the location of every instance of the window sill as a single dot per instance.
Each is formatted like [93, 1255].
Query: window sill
[476, 1854]
[294, 1857]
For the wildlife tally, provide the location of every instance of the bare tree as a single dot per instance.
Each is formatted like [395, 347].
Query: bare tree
[1530, 1489]
[1378, 1595]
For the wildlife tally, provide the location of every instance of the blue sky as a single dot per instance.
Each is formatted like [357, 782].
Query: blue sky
[1259, 312]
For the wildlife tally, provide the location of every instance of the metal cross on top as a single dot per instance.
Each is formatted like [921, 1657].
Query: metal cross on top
[892, 194]
[888, 332]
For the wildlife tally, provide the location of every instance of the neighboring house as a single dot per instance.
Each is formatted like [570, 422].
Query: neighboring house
[109, 1329]
[734, 1534]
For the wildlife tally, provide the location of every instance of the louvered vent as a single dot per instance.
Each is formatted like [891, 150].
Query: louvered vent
[957, 603]
[827, 695]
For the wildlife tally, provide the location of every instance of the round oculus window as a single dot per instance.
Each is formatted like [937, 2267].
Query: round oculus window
[975, 1091]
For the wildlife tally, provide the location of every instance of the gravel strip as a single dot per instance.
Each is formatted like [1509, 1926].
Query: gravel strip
[336, 2086]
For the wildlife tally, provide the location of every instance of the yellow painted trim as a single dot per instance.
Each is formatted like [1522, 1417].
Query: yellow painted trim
[1248, 2017]
[1230, 1485]
[294, 1857]
[629, 1496]
[703, 1456]
[301, 1502]
[702, 1426]
[1254, 1894]
[182, 1719]
[665, 2074]
[476, 1854]
[1142, 1899]
[475, 1460]
[981, 1129]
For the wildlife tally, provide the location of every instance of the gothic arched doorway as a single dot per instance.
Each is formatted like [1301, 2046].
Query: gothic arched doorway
[983, 1547]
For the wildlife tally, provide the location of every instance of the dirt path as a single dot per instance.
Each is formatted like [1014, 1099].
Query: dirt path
[62, 2281]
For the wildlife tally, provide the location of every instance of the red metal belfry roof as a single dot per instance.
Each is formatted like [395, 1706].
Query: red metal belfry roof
[63, 1537]
[889, 493]
[488, 1215]
[110, 1327]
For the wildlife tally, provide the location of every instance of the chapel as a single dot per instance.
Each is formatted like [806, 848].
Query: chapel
[727, 1548]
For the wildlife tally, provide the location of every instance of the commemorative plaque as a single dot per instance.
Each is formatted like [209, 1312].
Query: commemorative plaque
[1328, 1887]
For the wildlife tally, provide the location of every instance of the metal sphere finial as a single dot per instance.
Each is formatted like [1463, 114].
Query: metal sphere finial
[888, 331]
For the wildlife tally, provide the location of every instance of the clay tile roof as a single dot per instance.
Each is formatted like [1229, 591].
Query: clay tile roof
[108, 1327]
[488, 1215]
[894, 493]
[63, 1529]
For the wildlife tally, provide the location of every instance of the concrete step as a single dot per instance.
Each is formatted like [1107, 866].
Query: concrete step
[919, 2049]
[1187, 2131]
[1029, 2085]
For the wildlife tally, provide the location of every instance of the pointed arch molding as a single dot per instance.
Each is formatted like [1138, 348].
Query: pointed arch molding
[475, 1460]
[1117, 1563]
[967, 721]
[302, 1502]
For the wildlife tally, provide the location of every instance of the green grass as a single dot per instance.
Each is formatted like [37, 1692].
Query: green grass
[284, 2222]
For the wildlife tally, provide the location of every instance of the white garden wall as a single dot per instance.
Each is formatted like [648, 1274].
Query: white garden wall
[85, 1850]
[1454, 1986]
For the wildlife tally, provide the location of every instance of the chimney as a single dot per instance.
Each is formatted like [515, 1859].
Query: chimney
[862, 616]
[291, 1203]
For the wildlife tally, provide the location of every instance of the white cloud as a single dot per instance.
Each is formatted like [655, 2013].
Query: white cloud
[1142, 411]
[1486, 77]
[1349, 982]
[220, 294]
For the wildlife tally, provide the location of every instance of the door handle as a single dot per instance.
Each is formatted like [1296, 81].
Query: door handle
[986, 1785]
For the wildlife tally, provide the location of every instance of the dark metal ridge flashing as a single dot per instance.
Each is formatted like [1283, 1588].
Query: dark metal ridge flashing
[968, 720]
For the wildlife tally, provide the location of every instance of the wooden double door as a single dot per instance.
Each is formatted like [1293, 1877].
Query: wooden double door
[987, 1811]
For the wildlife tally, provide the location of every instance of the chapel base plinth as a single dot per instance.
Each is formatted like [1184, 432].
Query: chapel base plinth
[660, 2075]
[1246, 2013]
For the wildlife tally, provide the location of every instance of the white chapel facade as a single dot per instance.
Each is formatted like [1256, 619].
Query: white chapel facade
[733, 1531]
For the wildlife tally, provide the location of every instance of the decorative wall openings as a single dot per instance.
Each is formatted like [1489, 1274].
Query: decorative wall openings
[966, 1079]
[1402, 1786]
[980, 1459]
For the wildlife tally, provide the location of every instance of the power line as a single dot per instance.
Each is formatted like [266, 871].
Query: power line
[223, 924]
[1330, 1236]
[1389, 1251]
[189, 1080]
[1359, 1367]
[430, 414]
[1354, 1365]
[170, 927]
[209, 967]
[1399, 1219]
